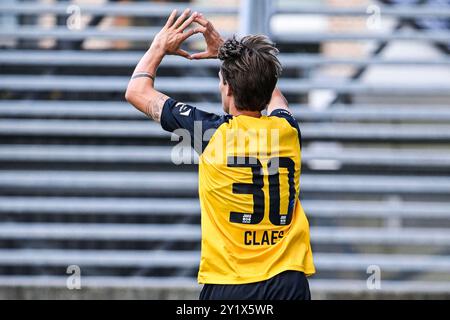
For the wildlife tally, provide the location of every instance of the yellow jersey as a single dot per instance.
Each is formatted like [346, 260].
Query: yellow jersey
[253, 224]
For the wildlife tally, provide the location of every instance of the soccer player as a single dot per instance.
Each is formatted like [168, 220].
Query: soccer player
[255, 235]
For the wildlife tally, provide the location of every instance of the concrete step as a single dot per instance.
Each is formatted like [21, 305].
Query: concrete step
[207, 85]
[186, 181]
[122, 110]
[391, 157]
[69, 58]
[190, 259]
[181, 232]
[134, 129]
[191, 207]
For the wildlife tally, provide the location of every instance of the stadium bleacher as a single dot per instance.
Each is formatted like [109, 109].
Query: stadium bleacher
[87, 180]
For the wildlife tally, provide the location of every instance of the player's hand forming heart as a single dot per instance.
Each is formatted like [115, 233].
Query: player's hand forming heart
[173, 34]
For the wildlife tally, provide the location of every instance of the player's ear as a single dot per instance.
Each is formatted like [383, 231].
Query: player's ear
[229, 90]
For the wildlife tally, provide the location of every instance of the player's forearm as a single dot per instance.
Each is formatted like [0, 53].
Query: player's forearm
[277, 94]
[150, 61]
[149, 64]
[278, 101]
[140, 91]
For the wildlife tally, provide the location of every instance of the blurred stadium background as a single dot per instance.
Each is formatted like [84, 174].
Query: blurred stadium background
[86, 180]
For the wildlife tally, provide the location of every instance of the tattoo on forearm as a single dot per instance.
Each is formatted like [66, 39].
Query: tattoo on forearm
[143, 75]
[154, 107]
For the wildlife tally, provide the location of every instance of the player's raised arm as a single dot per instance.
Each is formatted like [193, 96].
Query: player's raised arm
[278, 101]
[141, 92]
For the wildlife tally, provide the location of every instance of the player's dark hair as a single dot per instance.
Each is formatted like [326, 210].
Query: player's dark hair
[251, 67]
